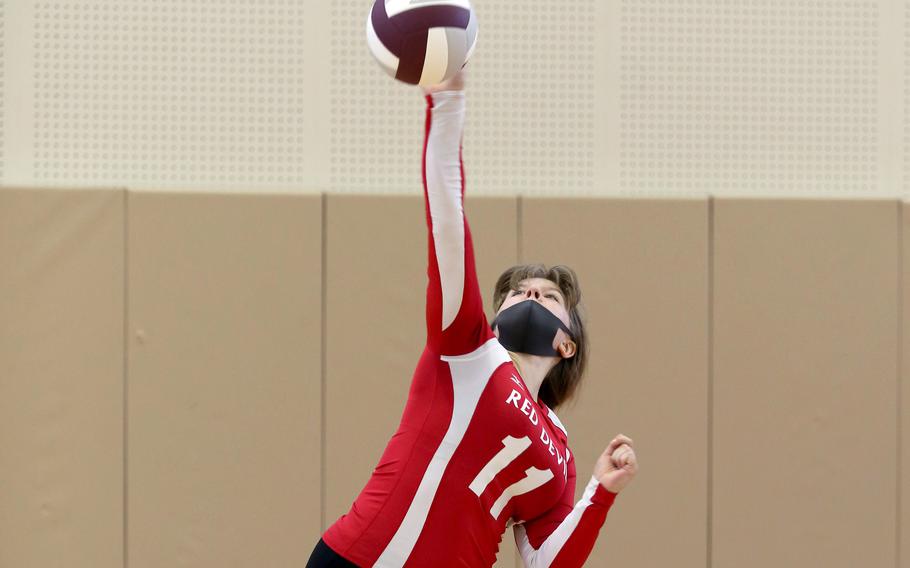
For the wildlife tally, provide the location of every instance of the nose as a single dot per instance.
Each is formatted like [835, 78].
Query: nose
[533, 293]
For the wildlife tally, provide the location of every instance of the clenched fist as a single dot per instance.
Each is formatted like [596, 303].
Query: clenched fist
[617, 465]
[454, 83]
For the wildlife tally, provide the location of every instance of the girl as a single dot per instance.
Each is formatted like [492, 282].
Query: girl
[478, 448]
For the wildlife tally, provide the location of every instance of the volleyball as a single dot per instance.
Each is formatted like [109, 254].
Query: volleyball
[422, 42]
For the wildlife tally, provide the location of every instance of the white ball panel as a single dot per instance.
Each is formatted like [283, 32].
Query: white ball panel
[471, 47]
[458, 50]
[437, 58]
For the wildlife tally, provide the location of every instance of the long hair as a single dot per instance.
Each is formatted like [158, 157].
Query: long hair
[562, 381]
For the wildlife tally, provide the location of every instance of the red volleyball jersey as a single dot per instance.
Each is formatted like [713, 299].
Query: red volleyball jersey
[474, 452]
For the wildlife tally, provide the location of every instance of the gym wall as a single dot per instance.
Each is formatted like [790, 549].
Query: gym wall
[201, 379]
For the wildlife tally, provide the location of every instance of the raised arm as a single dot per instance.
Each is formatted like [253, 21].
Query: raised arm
[456, 323]
[564, 536]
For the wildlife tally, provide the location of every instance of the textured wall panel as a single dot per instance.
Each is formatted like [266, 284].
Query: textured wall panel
[804, 383]
[776, 97]
[642, 266]
[376, 122]
[376, 251]
[532, 85]
[206, 94]
[632, 97]
[61, 378]
[224, 379]
[530, 125]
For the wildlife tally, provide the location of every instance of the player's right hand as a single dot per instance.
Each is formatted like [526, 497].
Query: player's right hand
[453, 83]
[617, 465]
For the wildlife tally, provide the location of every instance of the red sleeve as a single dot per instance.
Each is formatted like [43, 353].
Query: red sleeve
[564, 536]
[456, 323]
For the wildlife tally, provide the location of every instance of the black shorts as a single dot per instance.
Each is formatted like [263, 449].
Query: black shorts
[325, 557]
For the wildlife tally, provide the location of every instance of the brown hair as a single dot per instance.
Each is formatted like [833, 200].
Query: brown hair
[561, 382]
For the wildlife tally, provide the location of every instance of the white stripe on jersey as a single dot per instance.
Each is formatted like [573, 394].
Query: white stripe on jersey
[544, 556]
[555, 420]
[470, 374]
[443, 171]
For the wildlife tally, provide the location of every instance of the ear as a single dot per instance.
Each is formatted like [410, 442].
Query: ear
[567, 349]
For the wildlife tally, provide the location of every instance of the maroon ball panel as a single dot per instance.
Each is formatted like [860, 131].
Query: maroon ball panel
[432, 17]
[414, 50]
[389, 35]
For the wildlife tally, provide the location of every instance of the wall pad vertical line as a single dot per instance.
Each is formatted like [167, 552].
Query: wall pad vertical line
[323, 349]
[126, 382]
[900, 378]
[710, 419]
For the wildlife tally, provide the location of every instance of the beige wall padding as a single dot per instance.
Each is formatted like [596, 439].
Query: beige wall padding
[805, 383]
[643, 268]
[224, 379]
[61, 378]
[167, 377]
[375, 283]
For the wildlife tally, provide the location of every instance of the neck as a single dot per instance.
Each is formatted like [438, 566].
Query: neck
[533, 369]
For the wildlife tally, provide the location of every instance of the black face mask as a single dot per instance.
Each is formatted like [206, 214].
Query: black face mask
[528, 327]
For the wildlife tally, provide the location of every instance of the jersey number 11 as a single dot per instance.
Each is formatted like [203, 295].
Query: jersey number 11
[533, 478]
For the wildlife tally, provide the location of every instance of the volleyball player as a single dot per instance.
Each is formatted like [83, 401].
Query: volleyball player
[479, 448]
